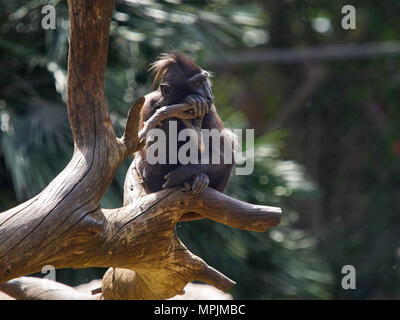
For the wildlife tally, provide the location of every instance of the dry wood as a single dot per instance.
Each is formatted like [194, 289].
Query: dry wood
[30, 288]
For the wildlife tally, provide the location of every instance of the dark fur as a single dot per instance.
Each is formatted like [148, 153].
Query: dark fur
[174, 69]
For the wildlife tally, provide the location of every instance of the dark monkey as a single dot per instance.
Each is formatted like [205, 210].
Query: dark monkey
[183, 81]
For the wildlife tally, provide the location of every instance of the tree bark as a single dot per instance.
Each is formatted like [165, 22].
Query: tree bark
[32, 288]
[65, 226]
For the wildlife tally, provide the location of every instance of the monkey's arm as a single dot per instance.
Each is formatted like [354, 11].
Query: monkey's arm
[173, 111]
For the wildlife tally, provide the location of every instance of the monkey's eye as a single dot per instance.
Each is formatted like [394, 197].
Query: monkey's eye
[197, 83]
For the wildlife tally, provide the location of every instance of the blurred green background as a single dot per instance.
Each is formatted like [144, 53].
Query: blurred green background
[327, 129]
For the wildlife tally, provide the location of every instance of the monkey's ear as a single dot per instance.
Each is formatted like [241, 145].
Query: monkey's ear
[165, 90]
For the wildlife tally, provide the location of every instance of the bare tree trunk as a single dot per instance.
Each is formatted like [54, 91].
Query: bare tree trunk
[64, 225]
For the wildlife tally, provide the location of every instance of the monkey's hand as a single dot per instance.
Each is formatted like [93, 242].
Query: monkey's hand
[190, 178]
[199, 103]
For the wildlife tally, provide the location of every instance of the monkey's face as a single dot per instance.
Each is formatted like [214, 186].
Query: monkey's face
[200, 84]
[175, 89]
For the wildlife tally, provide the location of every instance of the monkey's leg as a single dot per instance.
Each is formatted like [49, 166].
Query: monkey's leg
[180, 176]
[189, 177]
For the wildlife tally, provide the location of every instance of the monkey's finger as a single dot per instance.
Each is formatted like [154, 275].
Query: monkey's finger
[165, 185]
[205, 183]
[201, 184]
[194, 103]
[170, 180]
[187, 115]
[199, 106]
[190, 101]
[204, 108]
[196, 184]
[204, 178]
[168, 175]
[189, 106]
[167, 182]
[197, 189]
[192, 97]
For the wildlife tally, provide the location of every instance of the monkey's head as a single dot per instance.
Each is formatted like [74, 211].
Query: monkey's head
[179, 76]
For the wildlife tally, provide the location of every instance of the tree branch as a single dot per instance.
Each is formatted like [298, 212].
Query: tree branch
[142, 237]
[30, 288]
[130, 140]
[88, 47]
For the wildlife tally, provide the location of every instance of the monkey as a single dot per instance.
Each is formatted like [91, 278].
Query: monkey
[181, 80]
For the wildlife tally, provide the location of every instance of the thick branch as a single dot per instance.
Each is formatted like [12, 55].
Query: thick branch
[142, 237]
[69, 202]
[30, 288]
[167, 265]
[88, 47]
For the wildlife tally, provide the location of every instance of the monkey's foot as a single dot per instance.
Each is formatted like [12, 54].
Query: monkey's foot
[200, 183]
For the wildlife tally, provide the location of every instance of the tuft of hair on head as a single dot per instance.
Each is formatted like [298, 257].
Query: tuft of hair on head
[183, 64]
